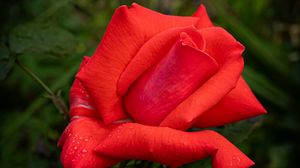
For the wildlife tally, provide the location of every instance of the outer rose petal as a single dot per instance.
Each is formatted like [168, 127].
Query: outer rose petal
[171, 147]
[228, 53]
[128, 30]
[78, 143]
[159, 90]
[81, 103]
[237, 105]
[204, 20]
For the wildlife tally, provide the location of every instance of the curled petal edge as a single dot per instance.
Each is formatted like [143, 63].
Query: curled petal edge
[171, 147]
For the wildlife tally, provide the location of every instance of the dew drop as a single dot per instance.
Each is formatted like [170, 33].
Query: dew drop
[73, 160]
[75, 148]
[80, 138]
[84, 150]
[86, 140]
[73, 141]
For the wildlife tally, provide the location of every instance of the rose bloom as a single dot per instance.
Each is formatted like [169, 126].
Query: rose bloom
[152, 78]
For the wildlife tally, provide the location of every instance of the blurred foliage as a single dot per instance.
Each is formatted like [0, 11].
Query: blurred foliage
[41, 39]
[50, 37]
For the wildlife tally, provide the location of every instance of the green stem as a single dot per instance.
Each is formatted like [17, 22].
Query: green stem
[56, 99]
[34, 77]
[37, 104]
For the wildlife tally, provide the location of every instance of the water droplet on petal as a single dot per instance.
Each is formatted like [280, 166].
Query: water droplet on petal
[84, 150]
[75, 148]
[80, 137]
[86, 140]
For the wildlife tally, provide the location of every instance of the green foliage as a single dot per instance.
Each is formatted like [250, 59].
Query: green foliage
[69, 29]
[36, 38]
[205, 163]
[240, 131]
[6, 61]
[265, 88]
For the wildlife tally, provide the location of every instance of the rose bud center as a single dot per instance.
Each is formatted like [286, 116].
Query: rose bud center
[165, 85]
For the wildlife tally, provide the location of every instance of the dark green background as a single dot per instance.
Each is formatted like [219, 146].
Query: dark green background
[50, 37]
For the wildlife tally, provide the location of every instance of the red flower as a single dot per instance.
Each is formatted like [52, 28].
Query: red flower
[152, 77]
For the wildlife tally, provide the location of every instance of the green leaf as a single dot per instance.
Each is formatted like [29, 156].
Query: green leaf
[236, 132]
[6, 61]
[239, 131]
[41, 39]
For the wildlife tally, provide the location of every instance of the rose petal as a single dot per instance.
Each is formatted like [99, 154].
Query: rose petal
[152, 52]
[204, 20]
[78, 142]
[81, 104]
[237, 105]
[171, 147]
[128, 30]
[228, 53]
[168, 83]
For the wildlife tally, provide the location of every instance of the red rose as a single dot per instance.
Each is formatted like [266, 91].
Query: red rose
[152, 77]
